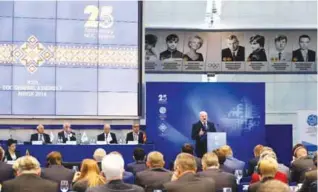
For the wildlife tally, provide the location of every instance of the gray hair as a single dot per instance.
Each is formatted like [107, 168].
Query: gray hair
[99, 154]
[113, 166]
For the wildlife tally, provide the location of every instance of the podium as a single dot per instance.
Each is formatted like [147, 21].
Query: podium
[215, 140]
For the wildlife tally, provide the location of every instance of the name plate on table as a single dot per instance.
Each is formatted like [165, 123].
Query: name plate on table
[132, 143]
[70, 143]
[101, 143]
[37, 142]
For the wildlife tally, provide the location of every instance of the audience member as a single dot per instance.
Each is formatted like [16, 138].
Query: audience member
[89, 176]
[40, 135]
[28, 178]
[113, 169]
[6, 171]
[107, 136]
[12, 154]
[2, 154]
[267, 169]
[136, 135]
[210, 165]
[185, 179]
[310, 178]
[156, 175]
[66, 134]
[55, 170]
[188, 148]
[253, 162]
[222, 158]
[231, 163]
[274, 186]
[269, 153]
[139, 164]
[99, 154]
[128, 177]
[302, 163]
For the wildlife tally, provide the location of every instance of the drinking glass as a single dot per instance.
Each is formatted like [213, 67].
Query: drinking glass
[227, 189]
[64, 186]
[238, 175]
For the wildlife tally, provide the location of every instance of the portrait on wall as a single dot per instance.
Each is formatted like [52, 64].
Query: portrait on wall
[232, 49]
[304, 47]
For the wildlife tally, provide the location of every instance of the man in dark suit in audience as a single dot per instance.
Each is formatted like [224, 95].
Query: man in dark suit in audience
[310, 177]
[140, 163]
[28, 178]
[6, 171]
[66, 134]
[55, 171]
[210, 164]
[304, 54]
[301, 164]
[199, 133]
[107, 136]
[113, 169]
[136, 135]
[185, 179]
[253, 162]
[156, 175]
[234, 52]
[40, 136]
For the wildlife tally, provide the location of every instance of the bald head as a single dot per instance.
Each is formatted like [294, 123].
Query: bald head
[203, 116]
[40, 129]
[67, 127]
[106, 128]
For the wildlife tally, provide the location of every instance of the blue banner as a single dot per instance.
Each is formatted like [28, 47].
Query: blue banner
[235, 108]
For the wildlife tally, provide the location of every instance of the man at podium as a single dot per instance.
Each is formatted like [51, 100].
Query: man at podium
[199, 133]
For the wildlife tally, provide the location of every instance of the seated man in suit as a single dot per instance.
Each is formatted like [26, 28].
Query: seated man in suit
[267, 169]
[231, 162]
[107, 135]
[275, 186]
[156, 175]
[301, 164]
[28, 178]
[40, 136]
[139, 164]
[253, 162]
[66, 134]
[304, 54]
[310, 177]
[113, 170]
[210, 165]
[184, 178]
[56, 171]
[136, 135]
[6, 171]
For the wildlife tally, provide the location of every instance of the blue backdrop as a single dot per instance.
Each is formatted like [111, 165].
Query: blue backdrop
[235, 108]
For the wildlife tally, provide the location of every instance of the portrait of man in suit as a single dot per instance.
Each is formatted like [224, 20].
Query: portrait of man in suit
[280, 54]
[304, 54]
[233, 52]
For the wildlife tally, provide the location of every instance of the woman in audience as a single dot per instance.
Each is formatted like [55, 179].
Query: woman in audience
[88, 177]
[269, 153]
[11, 154]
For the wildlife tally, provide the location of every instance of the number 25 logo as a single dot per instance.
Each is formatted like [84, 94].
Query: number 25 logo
[106, 20]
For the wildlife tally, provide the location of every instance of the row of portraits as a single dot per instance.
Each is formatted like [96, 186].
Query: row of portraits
[251, 46]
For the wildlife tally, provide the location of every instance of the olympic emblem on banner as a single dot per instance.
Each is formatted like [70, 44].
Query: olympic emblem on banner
[312, 120]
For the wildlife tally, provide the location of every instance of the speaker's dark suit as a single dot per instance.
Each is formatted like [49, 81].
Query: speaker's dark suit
[298, 57]
[29, 182]
[64, 137]
[190, 182]
[116, 185]
[130, 137]
[222, 179]
[201, 141]
[101, 137]
[152, 179]
[36, 137]
[6, 172]
[227, 54]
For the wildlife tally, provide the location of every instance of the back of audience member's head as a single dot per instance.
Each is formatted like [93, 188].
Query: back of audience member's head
[209, 160]
[227, 150]
[99, 154]
[155, 160]
[257, 150]
[185, 162]
[267, 167]
[54, 158]
[113, 166]
[299, 150]
[1, 154]
[139, 154]
[27, 165]
[91, 173]
[187, 148]
[315, 159]
[273, 186]
[221, 156]
[268, 154]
